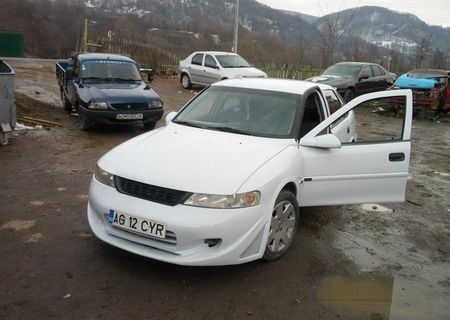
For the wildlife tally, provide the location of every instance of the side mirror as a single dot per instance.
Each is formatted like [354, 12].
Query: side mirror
[170, 117]
[325, 141]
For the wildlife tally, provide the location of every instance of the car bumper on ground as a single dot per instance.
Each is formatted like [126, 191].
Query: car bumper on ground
[242, 232]
[111, 116]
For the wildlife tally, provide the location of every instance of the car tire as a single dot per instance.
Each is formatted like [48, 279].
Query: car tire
[84, 124]
[149, 125]
[185, 81]
[67, 105]
[285, 216]
[349, 95]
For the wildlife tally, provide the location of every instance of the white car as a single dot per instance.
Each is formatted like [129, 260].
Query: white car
[207, 67]
[223, 181]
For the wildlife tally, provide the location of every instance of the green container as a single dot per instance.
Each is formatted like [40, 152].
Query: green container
[11, 44]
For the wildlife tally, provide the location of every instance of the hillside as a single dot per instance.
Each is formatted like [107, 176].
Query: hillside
[267, 37]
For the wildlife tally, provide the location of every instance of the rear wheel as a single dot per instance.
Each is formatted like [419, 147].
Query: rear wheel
[185, 81]
[285, 216]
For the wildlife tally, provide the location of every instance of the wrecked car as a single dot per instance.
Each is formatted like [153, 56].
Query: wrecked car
[431, 88]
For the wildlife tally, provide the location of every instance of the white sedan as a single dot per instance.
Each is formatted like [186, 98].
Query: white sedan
[207, 67]
[223, 181]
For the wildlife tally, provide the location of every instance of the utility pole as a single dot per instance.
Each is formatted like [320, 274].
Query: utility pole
[85, 35]
[236, 26]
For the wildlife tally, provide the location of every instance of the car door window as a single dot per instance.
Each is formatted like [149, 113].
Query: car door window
[210, 62]
[197, 59]
[369, 122]
[334, 103]
[366, 72]
[312, 114]
[377, 71]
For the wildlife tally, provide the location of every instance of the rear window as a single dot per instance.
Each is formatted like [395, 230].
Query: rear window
[197, 59]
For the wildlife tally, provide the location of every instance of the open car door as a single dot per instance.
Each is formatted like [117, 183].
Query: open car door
[374, 167]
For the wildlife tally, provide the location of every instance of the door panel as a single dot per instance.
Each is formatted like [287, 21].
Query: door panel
[357, 172]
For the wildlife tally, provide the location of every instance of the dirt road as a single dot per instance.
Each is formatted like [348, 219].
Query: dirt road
[352, 262]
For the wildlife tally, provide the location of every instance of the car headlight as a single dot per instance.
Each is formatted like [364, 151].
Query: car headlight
[104, 177]
[155, 104]
[98, 105]
[240, 200]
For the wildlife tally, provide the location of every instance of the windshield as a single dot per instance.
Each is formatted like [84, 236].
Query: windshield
[343, 70]
[243, 111]
[232, 61]
[109, 70]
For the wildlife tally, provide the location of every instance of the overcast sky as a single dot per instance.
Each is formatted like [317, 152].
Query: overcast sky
[435, 12]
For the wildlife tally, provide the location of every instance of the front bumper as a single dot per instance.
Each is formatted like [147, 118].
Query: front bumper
[109, 116]
[243, 232]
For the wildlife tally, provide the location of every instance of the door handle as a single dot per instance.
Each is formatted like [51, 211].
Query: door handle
[400, 156]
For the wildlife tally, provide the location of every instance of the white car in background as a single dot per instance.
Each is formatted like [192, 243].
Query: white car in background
[223, 181]
[207, 67]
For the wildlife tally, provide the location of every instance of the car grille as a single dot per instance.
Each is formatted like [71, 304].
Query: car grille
[130, 106]
[149, 192]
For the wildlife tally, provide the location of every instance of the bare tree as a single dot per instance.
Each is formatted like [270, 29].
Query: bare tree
[421, 51]
[331, 31]
[439, 60]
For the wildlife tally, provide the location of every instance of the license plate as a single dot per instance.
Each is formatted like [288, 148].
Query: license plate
[136, 224]
[129, 116]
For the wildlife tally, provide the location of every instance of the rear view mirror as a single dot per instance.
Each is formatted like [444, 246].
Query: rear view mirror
[325, 141]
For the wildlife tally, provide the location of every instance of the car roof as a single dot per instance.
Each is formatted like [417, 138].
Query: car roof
[102, 56]
[358, 63]
[269, 84]
[215, 53]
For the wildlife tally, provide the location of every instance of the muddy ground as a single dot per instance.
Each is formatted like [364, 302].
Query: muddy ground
[350, 262]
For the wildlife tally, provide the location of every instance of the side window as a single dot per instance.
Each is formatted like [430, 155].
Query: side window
[377, 71]
[311, 115]
[197, 59]
[366, 72]
[367, 121]
[334, 102]
[210, 62]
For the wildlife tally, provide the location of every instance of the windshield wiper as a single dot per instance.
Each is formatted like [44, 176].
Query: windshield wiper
[122, 79]
[231, 130]
[190, 124]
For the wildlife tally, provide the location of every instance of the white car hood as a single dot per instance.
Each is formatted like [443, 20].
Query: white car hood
[192, 159]
[243, 72]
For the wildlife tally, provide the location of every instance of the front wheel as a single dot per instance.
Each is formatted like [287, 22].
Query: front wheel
[185, 81]
[285, 216]
[84, 124]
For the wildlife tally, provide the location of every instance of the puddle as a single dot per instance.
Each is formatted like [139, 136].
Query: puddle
[18, 225]
[35, 237]
[370, 296]
[375, 207]
[384, 298]
[36, 203]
